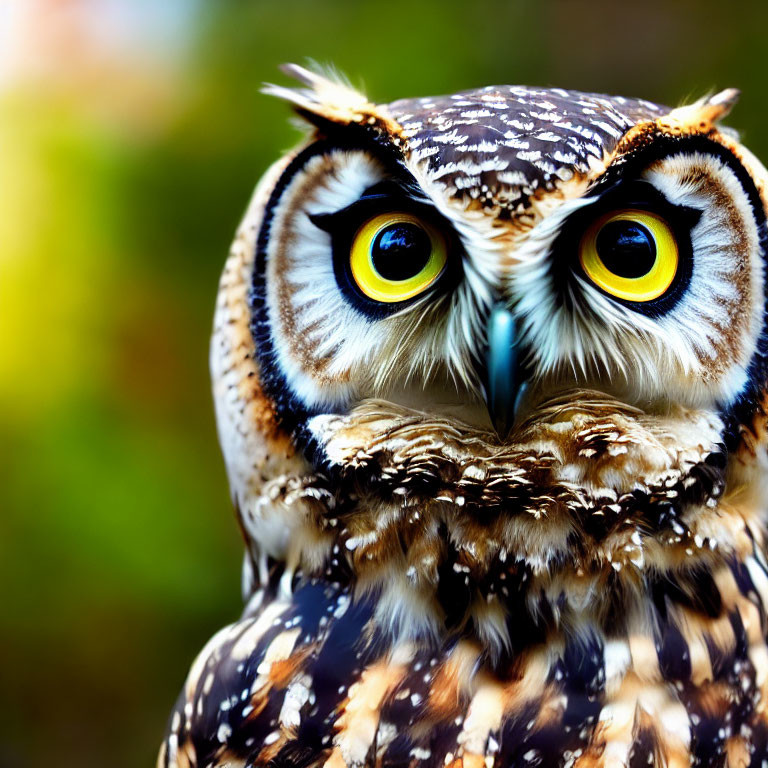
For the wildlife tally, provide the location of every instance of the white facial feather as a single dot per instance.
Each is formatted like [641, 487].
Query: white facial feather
[681, 355]
[301, 255]
[331, 353]
[335, 352]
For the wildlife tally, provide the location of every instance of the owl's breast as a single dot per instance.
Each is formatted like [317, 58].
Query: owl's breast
[467, 603]
[311, 679]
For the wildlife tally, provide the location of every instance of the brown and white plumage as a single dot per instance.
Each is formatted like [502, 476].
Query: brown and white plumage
[586, 589]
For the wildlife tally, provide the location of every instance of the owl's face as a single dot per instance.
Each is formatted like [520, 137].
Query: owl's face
[378, 277]
[509, 324]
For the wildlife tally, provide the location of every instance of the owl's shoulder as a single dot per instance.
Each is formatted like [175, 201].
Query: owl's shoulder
[268, 687]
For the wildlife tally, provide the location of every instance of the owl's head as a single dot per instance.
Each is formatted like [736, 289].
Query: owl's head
[511, 334]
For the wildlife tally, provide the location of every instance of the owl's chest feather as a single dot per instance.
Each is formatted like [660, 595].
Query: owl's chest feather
[312, 679]
[473, 613]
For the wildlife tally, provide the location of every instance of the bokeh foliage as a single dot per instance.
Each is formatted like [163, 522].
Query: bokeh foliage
[121, 181]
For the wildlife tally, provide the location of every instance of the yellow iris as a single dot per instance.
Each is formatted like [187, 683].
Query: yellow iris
[420, 258]
[625, 276]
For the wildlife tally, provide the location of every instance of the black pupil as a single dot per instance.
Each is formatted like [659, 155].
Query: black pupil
[626, 248]
[401, 251]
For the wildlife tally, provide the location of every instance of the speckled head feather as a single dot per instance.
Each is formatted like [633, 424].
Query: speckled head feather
[428, 584]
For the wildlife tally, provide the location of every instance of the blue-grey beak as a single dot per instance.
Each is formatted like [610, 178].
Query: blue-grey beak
[503, 380]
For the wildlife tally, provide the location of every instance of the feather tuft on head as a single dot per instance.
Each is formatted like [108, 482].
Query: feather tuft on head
[328, 97]
[704, 113]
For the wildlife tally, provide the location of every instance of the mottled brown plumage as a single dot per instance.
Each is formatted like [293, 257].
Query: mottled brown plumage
[588, 589]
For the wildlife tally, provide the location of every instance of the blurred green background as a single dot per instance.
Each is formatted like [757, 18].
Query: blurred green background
[131, 134]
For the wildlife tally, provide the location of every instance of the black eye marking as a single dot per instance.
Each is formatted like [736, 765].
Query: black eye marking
[399, 252]
[624, 246]
[386, 195]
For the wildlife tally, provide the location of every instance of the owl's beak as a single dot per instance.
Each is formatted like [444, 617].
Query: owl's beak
[503, 380]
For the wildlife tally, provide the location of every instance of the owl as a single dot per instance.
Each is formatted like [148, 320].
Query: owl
[491, 380]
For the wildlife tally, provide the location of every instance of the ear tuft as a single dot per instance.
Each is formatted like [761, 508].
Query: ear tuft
[330, 98]
[722, 103]
[705, 113]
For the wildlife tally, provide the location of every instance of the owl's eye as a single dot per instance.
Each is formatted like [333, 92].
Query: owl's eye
[631, 254]
[396, 256]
